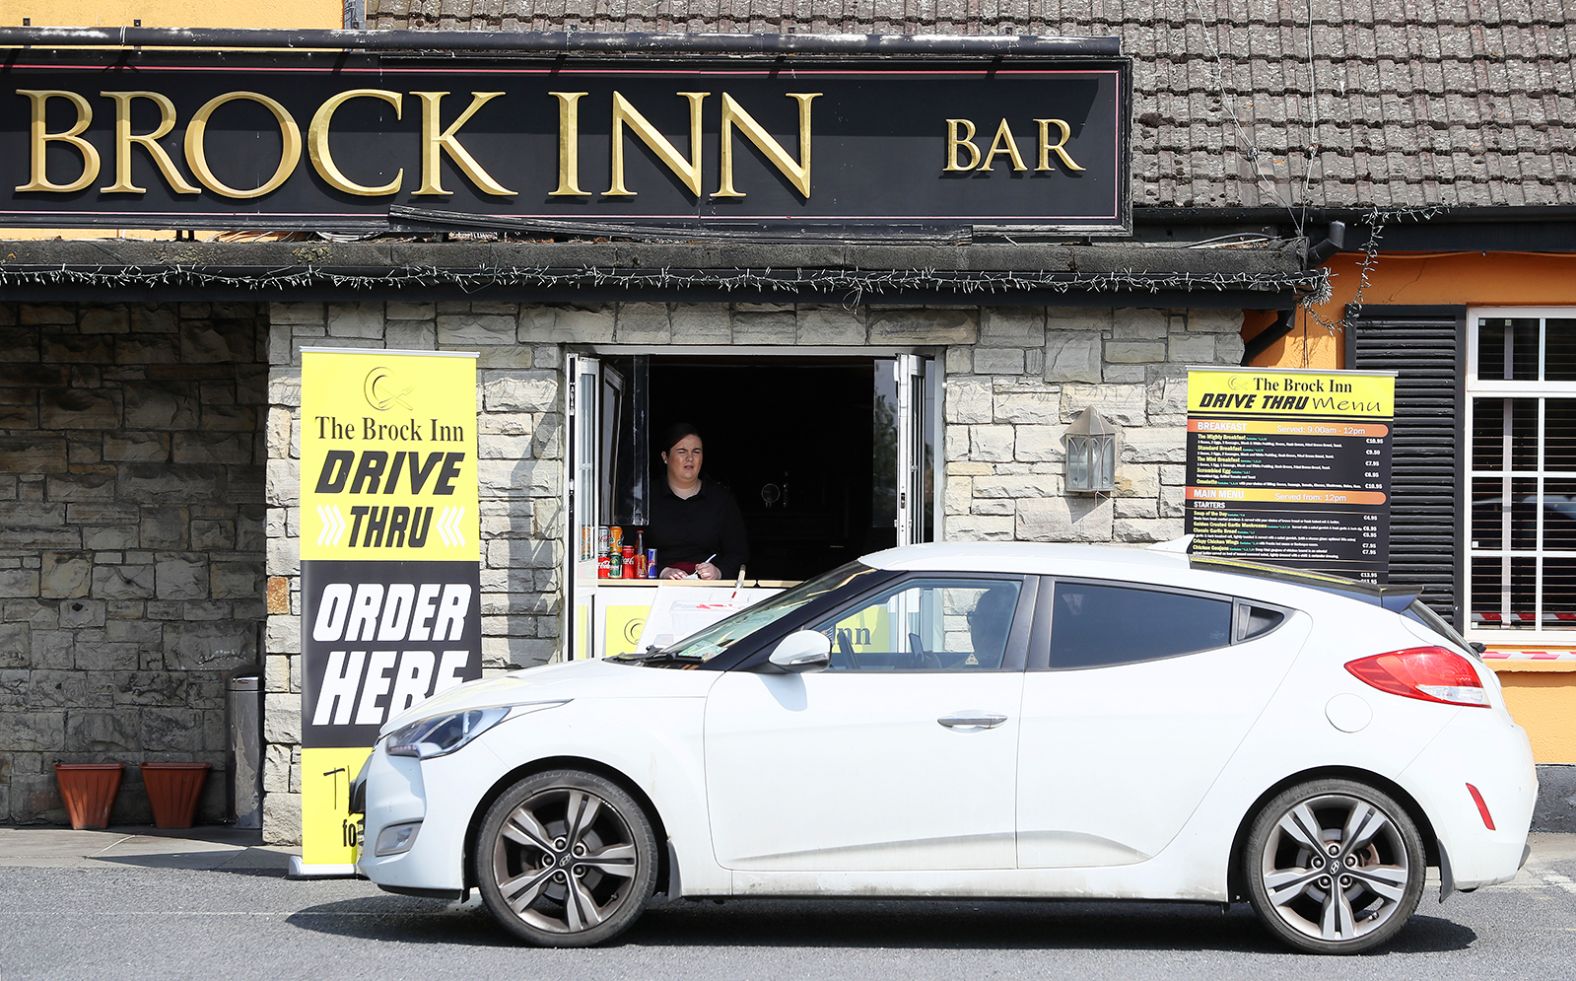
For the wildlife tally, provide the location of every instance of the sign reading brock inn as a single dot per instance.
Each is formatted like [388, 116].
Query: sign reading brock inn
[332, 139]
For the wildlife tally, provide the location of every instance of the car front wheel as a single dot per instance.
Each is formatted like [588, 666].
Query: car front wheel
[566, 858]
[1334, 867]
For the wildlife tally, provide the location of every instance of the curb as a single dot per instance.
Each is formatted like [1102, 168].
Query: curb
[1556, 806]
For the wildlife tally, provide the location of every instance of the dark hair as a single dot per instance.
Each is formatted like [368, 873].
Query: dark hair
[990, 620]
[676, 432]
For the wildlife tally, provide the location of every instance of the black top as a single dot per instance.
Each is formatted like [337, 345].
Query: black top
[690, 529]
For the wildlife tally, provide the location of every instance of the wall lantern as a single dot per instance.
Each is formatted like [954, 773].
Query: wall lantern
[1091, 454]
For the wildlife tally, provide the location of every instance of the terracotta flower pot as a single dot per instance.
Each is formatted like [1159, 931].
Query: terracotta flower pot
[173, 789]
[89, 792]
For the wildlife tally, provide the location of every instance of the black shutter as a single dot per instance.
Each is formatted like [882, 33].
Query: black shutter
[1426, 347]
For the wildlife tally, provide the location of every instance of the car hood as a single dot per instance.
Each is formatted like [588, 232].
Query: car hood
[567, 681]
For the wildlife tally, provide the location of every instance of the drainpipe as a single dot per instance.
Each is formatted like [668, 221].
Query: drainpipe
[1334, 241]
[1263, 339]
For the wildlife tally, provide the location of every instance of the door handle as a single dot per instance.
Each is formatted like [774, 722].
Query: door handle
[972, 720]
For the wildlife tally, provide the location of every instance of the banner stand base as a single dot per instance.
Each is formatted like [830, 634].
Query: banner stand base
[301, 870]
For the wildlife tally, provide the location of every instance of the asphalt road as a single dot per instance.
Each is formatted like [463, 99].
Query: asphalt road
[117, 914]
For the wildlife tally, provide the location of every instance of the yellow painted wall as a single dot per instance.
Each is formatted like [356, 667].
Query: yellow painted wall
[175, 13]
[1470, 278]
[1542, 701]
[301, 14]
[1544, 704]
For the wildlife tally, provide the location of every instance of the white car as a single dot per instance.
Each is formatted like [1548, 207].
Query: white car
[982, 721]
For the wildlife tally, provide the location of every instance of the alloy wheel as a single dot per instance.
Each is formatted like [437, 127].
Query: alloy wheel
[1336, 868]
[565, 860]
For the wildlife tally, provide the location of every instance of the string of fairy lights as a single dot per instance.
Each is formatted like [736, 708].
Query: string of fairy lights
[1376, 219]
[850, 284]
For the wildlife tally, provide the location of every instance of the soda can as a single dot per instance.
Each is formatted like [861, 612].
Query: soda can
[601, 539]
[629, 561]
[615, 538]
[615, 563]
[603, 567]
[651, 563]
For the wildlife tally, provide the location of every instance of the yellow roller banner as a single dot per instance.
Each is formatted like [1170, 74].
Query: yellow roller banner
[390, 564]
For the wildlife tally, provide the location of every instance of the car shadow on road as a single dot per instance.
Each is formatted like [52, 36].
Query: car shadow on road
[408, 920]
[994, 925]
[862, 923]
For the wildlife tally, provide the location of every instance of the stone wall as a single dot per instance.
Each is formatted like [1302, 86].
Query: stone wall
[1014, 378]
[131, 549]
[1010, 396]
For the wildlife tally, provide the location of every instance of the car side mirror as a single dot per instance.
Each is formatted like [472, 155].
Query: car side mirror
[801, 651]
[1477, 646]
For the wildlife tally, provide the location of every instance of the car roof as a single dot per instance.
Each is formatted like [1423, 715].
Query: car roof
[1026, 558]
[1166, 565]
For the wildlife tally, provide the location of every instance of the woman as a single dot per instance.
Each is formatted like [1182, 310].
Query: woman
[696, 526]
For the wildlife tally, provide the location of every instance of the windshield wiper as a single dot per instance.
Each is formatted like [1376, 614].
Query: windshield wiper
[657, 655]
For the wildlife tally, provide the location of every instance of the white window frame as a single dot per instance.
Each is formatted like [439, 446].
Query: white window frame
[1508, 388]
[585, 491]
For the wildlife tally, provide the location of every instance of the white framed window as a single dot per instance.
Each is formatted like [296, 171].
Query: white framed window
[1520, 489]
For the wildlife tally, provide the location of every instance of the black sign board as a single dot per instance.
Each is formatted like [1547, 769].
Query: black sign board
[1291, 468]
[293, 139]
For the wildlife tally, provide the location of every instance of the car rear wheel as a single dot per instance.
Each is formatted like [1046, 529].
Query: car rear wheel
[566, 859]
[1334, 867]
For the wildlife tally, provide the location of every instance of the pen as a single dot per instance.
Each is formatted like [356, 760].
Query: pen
[702, 562]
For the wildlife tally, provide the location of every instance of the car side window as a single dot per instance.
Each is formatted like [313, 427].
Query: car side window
[1095, 625]
[933, 624]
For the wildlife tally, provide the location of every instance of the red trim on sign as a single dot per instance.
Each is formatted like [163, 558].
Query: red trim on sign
[439, 70]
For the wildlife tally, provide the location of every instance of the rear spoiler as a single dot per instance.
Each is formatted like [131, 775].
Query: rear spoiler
[1388, 596]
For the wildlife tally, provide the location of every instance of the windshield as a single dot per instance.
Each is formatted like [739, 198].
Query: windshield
[718, 637]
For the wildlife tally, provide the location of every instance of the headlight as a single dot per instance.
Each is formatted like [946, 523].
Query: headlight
[443, 734]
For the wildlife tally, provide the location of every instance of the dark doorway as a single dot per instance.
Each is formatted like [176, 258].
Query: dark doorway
[801, 444]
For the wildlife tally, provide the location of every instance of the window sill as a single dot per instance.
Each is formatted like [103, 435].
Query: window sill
[1530, 660]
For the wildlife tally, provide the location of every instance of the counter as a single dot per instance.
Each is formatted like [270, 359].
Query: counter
[617, 616]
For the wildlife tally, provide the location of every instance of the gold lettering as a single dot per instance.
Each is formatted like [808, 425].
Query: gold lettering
[625, 114]
[197, 155]
[41, 138]
[568, 144]
[1003, 143]
[960, 134]
[437, 141]
[323, 158]
[1047, 147]
[798, 174]
[125, 139]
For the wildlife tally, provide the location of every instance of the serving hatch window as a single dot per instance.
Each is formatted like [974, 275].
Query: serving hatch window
[1521, 479]
[828, 457]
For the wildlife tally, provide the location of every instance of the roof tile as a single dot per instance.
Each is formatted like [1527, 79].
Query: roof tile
[1419, 101]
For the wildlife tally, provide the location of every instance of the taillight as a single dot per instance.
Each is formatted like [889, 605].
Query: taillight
[1432, 674]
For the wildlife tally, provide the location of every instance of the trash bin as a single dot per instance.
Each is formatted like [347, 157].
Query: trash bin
[246, 750]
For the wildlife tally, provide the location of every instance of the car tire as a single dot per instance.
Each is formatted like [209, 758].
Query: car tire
[1333, 867]
[566, 858]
